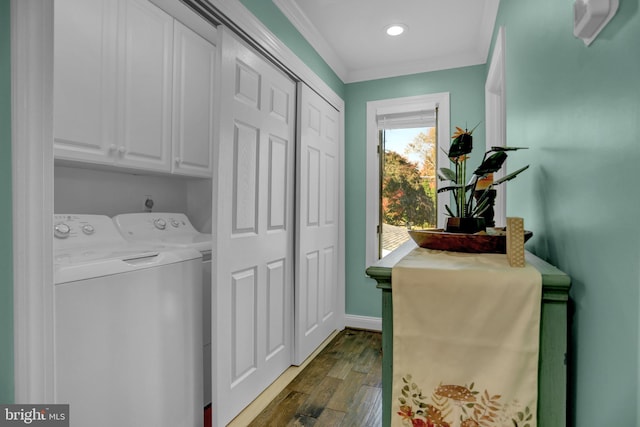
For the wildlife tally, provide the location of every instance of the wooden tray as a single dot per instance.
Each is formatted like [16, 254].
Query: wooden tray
[459, 242]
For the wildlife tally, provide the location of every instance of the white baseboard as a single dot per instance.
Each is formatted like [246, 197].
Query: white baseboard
[363, 322]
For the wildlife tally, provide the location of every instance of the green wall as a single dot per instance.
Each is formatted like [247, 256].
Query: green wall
[6, 260]
[578, 109]
[466, 88]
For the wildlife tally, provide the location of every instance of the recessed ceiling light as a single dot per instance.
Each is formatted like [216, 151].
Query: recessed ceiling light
[395, 29]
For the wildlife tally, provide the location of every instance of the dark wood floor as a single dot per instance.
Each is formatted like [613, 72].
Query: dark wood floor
[342, 386]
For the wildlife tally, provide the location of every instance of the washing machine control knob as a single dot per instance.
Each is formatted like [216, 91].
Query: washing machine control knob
[160, 223]
[88, 229]
[61, 230]
[175, 223]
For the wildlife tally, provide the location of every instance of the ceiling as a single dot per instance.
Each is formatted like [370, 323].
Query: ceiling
[350, 34]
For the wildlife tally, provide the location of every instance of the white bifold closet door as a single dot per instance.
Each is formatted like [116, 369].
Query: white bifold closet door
[252, 295]
[318, 202]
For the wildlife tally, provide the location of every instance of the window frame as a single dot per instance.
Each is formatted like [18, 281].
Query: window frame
[399, 105]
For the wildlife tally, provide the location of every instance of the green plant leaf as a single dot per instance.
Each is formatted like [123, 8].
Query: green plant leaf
[455, 187]
[461, 145]
[495, 148]
[448, 210]
[492, 164]
[510, 176]
[449, 188]
[480, 208]
[447, 174]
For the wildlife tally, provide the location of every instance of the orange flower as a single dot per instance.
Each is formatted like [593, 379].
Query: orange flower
[406, 412]
[460, 131]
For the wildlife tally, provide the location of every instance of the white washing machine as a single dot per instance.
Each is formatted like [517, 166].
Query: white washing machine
[128, 329]
[175, 230]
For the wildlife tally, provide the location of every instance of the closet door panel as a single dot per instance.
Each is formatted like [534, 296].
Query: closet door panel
[246, 174]
[317, 279]
[254, 227]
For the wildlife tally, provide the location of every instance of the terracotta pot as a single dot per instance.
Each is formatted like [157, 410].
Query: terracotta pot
[465, 225]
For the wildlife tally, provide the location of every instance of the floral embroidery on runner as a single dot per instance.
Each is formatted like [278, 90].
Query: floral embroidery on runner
[457, 405]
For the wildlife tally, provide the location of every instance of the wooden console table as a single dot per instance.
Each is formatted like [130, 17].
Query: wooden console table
[552, 373]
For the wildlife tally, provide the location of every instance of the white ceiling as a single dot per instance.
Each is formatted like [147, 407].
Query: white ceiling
[350, 36]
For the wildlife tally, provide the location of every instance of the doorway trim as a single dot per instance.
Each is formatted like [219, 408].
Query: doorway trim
[32, 193]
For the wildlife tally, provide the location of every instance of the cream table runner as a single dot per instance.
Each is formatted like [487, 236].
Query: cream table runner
[465, 341]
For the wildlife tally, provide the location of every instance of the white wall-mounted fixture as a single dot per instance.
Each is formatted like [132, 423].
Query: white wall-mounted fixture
[591, 16]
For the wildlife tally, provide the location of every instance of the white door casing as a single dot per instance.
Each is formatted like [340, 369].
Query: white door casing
[253, 292]
[496, 118]
[318, 213]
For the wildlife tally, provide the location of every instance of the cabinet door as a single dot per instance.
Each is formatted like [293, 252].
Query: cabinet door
[144, 89]
[193, 96]
[84, 80]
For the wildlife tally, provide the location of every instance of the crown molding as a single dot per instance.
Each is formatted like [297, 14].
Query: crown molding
[416, 67]
[303, 24]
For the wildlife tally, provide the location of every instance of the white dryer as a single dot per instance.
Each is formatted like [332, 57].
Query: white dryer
[128, 330]
[176, 231]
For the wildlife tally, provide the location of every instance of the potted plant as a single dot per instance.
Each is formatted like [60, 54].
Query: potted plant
[473, 199]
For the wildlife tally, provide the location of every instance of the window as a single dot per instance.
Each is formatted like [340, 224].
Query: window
[407, 183]
[386, 120]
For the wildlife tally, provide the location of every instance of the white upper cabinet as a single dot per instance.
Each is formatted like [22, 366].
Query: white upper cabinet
[85, 80]
[144, 88]
[194, 69]
[114, 83]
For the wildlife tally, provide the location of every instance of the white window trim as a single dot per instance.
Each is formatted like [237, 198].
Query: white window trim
[496, 118]
[411, 103]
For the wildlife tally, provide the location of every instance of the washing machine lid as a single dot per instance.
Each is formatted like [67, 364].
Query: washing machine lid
[200, 242]
[88, 263]
[161, 228]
